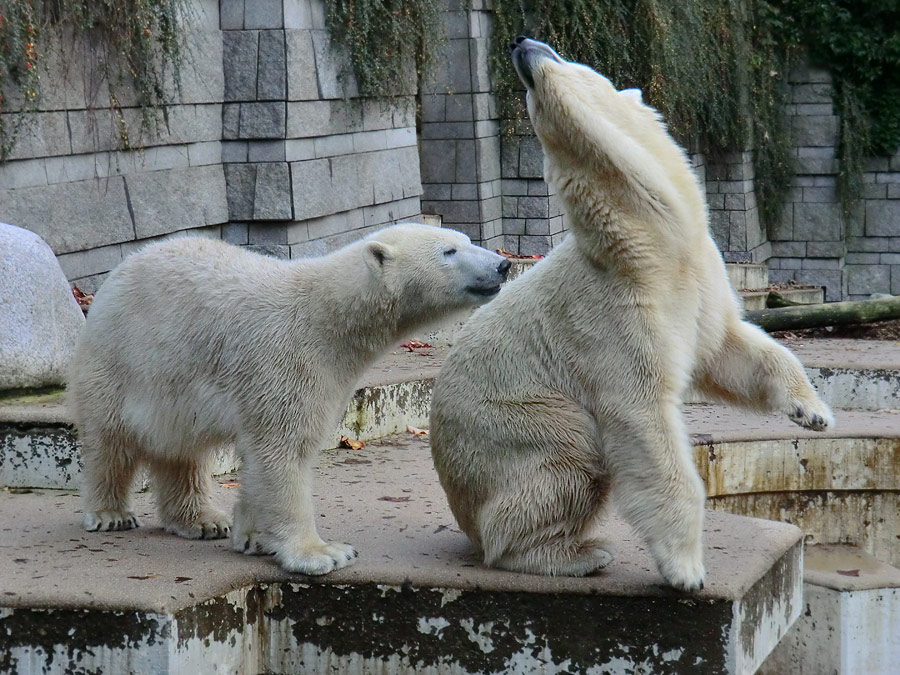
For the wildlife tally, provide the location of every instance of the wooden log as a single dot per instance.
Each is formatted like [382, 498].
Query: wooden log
[828, 314]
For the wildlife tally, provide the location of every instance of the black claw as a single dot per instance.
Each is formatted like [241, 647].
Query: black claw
[355, 553]
[246, 546]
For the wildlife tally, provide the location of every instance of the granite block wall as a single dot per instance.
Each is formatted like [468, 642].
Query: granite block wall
[264, 145]
[460, 130]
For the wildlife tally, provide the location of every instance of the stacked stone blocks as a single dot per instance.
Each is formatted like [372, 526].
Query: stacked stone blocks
[460, 131]
[310, 164]
[69, 181]
[808, 242]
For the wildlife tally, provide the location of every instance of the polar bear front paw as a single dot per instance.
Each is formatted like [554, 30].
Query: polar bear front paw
[108, 521]
[683, 577]
[811, 414]
[316, 560]
[212, 524]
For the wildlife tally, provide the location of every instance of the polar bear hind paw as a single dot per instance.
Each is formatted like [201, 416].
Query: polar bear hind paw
[212, 524]
[109, 521]
[317, 560]
[814, 415]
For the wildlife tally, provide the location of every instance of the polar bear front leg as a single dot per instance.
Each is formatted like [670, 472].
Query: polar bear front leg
[275, 515]
[753, 370]
[658, 491]
[110, 461]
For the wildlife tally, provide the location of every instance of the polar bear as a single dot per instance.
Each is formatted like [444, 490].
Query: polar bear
[571, 385]
[192, 343]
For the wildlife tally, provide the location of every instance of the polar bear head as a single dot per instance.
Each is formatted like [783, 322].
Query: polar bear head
[432, 269]
[609, 155]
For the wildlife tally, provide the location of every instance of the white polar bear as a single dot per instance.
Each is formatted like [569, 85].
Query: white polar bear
[192, 343]
[572, 383]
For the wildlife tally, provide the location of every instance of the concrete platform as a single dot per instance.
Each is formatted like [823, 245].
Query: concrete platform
[417, 601]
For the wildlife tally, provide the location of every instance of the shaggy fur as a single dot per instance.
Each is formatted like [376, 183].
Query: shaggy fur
[571, 385]
[193, 343]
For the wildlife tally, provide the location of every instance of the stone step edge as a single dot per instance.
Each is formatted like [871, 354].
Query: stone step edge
[301, 627]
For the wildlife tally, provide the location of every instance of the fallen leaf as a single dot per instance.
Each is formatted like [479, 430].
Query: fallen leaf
[394, 499]
[517, 256]
[144, 578]
[354, 460]
[181, 580]
[230, 485]
[83, 299]
[352, 443]
[416, 430]
[849, 573]
[413, 345]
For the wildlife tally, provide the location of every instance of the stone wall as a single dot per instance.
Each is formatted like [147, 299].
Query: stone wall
[262, 147]
[460, 129]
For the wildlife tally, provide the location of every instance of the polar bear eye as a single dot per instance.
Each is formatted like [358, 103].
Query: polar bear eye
[450, 251]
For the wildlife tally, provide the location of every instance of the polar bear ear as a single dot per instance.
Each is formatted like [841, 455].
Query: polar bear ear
[377, 254]
[635, 94]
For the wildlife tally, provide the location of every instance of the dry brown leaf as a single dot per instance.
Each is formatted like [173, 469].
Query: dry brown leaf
[416, 430]
[413, 345]
[517, 256]
[83, 299]
[352, 443]
[849, 573]
[394, 499]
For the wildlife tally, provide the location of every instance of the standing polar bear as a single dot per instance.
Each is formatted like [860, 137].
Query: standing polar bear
[571, 383]
[192, 343]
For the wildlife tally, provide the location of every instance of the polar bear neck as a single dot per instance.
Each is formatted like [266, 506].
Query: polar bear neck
[337, 298]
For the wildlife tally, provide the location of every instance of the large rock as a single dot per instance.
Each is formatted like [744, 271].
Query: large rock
[39, 318]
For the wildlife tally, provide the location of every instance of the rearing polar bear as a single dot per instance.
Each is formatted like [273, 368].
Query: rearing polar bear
[571, 382]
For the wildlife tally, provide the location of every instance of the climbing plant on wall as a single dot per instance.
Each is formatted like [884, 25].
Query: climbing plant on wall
[388, 41]
[717, 69]
[137, 45]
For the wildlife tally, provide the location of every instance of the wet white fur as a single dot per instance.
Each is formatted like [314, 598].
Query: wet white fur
[193, 343]
[571, 382]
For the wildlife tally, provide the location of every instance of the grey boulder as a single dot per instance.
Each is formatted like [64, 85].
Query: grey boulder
[39, 318]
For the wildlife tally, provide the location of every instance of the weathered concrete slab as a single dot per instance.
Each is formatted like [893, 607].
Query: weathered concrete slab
[418, 600]
[747, 277]
[849, 625]
[41, 451]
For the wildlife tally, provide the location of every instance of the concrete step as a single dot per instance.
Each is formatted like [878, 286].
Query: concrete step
[842, 486]
[38, 447]
[417, 601]
[747, 277]
[806, 295]
[849, 625]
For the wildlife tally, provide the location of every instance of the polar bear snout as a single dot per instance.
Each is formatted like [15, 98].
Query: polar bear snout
[491, 275]
[526, 54]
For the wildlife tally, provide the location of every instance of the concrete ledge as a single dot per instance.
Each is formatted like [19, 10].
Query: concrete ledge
[850, 622]
[418, 600]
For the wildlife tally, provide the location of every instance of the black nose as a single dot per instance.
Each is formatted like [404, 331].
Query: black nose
[503, 268]
[515, 43]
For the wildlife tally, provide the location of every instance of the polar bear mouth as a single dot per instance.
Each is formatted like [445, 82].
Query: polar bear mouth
[484, 291]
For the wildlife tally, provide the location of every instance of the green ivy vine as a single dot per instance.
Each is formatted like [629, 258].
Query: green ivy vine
[139, 46]
[717, 70]
[387, 41]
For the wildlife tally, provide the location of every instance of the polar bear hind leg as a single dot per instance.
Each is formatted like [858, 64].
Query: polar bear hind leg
[183, 489]
[752, 370]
